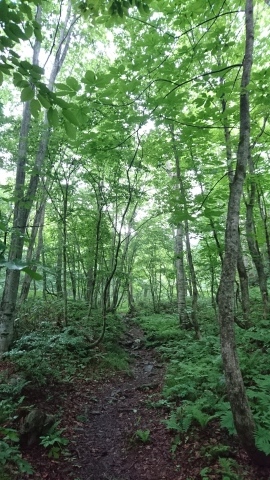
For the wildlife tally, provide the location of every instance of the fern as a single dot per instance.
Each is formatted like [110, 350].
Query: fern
[225, 415]
[262, 439]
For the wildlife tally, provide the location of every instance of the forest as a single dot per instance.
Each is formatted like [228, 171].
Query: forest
[134, 240]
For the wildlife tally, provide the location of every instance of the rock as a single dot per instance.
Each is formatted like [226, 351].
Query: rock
[35, 424]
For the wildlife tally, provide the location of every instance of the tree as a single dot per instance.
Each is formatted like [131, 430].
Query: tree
[242, 415]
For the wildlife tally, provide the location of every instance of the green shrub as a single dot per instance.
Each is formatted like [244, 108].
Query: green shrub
[194, 382]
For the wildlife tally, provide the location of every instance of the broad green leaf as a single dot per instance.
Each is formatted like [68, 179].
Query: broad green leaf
[63, 86]
[73, 83]
[71, 117]
[35, 108]
[26, 65]
[53, 118]
[38, 35]
[37, 69]
[89, 77]
[27, 94]
[19, 81]
[27, 10]
[44, 102]
[3, 226]
[4, 13]
[16, 30]
[28, 30]
[5, 68]
[71, 131]
[60, 102]
[32, 273]
[5, 42]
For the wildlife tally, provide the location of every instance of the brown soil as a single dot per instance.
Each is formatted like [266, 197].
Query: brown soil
[102, 419]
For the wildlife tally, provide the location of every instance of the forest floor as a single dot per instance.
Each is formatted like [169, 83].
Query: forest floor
[116, 432]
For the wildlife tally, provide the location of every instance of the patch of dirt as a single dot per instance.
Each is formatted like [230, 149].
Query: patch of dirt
[102, 417]
[119, 410]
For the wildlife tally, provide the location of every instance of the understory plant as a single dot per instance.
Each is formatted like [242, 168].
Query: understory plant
[195, 384]
[54, 441]
[47, 352]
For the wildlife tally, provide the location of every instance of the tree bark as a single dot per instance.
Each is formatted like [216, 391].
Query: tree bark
[253, 244]
[181, 277]
[37, 230]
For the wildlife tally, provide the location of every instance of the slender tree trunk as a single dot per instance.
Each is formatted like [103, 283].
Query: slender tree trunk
[193, 282]
[37, 229]
[253, 244]
[244, 285]
[180, 277]
[242, 415]
[242, 273]
[265, 220]
[59, 262]
[65, 192]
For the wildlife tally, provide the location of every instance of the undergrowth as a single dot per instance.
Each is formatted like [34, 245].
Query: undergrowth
[195, 384]
[49, 351]
[46, 353]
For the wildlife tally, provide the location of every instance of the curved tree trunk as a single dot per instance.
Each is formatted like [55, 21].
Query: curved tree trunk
[242, 415]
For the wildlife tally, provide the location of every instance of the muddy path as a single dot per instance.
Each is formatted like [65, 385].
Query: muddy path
[123, 437]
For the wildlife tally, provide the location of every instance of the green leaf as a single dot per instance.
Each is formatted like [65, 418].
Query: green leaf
[27, 94]
[4, 13]
[60, 102]
[27, 10]
[44, 102]
[19, 81]
[71, 131]
[53, 118]
[35, 108]
[63, 86]
[28, 30]
[1, 78]
[73, 84]
[71, 117]
[3, 226]
[89, 77]
[16, 30]
[34, 275]
[37, 69]
[37, 33]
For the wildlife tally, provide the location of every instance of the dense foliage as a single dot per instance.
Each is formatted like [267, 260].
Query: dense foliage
[134, 178]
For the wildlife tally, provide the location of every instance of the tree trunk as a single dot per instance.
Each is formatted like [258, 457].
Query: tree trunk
[37, 229]
[253, 244]
[244, 287]
[25, 195]
[181, 278]
[193, 282]
[59, 263]
[242, 415]
[20, 216]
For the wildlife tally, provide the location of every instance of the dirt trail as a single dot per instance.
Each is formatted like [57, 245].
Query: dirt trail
[101, 417]
[107, 445]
